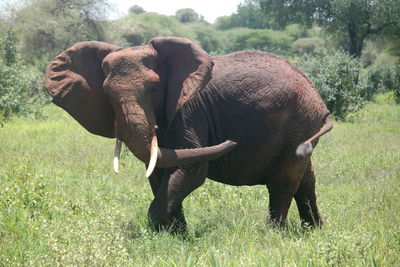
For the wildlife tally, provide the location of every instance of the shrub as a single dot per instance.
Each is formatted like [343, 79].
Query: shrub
[264, 40]
[187, 15]
[139, 29]
[335, 75]
[308, 45]
[396, 88]
[208, 37]
[383, 78]
[20, 85]
[295, 31]
[369, 56]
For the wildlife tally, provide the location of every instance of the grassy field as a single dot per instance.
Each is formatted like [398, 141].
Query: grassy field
[61, 204]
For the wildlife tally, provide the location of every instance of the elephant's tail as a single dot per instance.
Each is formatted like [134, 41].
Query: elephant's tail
[306, 148]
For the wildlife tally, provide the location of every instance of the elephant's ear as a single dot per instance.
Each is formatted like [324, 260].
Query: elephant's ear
[75, 81]
[188, 69]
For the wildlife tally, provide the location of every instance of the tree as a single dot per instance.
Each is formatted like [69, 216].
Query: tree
[335, 75]
[2, 26]
[263, 40]
[208, 37]
[139, 29]
[9, 47]
[20, 84]
[46, 27]
[356, 19]
[248, 14]
[136, 10]
[186, 15]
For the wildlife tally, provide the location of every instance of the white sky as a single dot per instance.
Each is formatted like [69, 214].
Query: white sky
[210, 9]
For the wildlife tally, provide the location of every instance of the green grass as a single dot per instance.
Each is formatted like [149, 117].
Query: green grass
[61, 204]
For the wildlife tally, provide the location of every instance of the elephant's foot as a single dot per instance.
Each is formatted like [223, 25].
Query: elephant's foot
[174, 222]
[314, 221]
[277, 215]
[309, 214]
[306, 200]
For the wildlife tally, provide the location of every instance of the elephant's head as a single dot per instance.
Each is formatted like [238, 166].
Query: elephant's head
[128, 93]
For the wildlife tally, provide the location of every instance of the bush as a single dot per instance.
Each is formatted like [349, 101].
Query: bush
[308, 45]
[383, 78]
[139, 29]
[247, 15]
[396, 88]
[20, 85]
[335, 75]
[187, 15]
[295, 31]
[208, 38]
[263, 40]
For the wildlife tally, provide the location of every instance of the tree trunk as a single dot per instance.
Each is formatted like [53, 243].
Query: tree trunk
[356, 41]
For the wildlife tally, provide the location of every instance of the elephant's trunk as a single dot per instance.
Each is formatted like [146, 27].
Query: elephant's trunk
[137, 130]
[135, 126]
[165, 158]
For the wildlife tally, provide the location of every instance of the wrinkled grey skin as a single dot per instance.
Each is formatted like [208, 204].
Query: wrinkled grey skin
[173, 90]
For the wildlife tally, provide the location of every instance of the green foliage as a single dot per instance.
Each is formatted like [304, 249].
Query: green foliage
[23, 189]
[295, 31]
[224, 23]
[263, 40]
[394, 45]
[47, 27]
[208, 38]
[9, 48]
[186, 15]
[3, 26]
[396, 89]
[368, 57]
[20, 85]
[136, 10]
[139, 29]
[248, 14]
[356, 19]
[335, 75]
[61, 204]
[308, 45]
[383, 78]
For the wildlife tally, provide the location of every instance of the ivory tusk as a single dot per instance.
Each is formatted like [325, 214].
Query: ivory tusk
[117, 153]
[153, 156]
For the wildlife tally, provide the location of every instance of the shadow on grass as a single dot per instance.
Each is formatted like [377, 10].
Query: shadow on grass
[133, 231]
[293, 230]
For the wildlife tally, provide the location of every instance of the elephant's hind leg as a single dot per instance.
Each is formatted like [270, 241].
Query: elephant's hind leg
[165, 212]
[306, 199]
[283, 184]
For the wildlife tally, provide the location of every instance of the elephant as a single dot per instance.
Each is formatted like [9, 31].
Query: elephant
[245, 118]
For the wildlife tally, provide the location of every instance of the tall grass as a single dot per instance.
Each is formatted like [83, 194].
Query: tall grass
[61, 204]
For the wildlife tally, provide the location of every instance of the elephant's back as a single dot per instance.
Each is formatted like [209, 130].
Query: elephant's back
[259, 69]
[266, 82]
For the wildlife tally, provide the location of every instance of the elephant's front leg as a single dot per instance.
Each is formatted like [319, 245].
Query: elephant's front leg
[165, 212]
